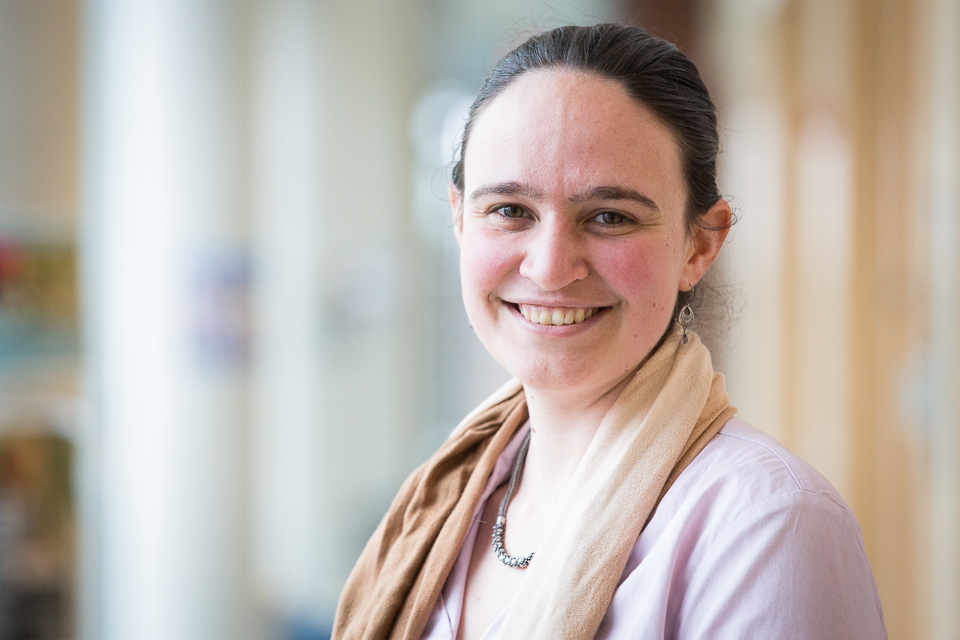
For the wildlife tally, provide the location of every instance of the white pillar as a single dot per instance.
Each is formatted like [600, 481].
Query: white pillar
[943, 418]
[289, 501]
[336, 367]
[164, 283]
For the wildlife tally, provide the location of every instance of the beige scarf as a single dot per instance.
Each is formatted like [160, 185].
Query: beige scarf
[667, 413]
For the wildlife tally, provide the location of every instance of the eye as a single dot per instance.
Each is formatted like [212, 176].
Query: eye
[511, 211]
[610, 218]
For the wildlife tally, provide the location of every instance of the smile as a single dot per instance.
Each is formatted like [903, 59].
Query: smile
[557, 315]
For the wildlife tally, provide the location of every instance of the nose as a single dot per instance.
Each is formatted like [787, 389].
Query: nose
[554, 255]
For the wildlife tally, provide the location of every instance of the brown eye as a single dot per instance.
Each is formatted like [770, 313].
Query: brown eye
[610, 217]
[512, 211]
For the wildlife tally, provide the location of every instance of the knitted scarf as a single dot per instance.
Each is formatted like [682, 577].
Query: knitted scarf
[667, 413]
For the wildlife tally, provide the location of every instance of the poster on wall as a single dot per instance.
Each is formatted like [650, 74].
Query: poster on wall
[38, 300]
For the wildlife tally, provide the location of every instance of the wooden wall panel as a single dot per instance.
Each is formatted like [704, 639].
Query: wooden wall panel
[883, 478]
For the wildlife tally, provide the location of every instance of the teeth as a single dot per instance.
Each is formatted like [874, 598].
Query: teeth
[556, 315]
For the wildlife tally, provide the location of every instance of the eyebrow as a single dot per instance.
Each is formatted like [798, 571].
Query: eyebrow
[615, 193]
[507, 189]
[595, 193]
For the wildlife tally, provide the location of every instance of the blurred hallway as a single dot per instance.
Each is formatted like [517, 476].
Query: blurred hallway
[230, 320]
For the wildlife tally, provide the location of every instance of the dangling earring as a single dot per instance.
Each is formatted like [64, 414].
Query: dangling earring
[685, 318]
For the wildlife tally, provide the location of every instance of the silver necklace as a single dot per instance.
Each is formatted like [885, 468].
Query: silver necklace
[501, 525]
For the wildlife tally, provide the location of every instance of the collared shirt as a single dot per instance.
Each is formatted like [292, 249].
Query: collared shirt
[749, 542]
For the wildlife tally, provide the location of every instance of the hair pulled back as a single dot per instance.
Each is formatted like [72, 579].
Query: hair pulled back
[652, 70]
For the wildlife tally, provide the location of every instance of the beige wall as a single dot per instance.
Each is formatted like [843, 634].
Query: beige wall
[39, 117]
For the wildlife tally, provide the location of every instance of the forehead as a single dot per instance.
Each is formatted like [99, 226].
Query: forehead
[564, 130]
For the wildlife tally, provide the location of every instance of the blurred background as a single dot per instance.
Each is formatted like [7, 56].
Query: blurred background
[230, 320]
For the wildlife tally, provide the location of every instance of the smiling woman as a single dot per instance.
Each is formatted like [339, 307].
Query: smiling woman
[584, 203]
[574, 204]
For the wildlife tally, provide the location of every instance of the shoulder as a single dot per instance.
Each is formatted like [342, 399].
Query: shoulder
[745, 481]
[755, 538]
[747, 492]
[743, 469]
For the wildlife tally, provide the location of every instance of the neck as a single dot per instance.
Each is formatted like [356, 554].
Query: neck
[562, 425]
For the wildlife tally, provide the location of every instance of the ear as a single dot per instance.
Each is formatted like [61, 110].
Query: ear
[456, 210]
[706, 242]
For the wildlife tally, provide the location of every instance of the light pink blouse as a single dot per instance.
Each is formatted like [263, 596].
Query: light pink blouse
[750, 542]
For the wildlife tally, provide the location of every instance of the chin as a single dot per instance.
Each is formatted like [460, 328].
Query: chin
[555, 374]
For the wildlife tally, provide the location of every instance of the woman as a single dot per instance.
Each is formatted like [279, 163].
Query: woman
[608, 491]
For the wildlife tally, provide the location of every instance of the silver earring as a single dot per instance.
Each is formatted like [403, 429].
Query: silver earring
[685, 318]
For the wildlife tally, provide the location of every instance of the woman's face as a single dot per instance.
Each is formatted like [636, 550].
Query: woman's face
[572, 237]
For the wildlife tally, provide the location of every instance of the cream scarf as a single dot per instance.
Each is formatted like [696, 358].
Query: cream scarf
[667, 413]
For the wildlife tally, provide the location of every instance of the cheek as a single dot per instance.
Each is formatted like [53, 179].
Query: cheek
[647, 275]
[485, 261]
